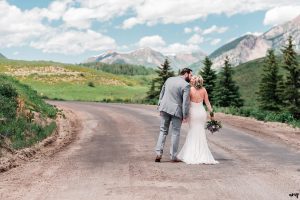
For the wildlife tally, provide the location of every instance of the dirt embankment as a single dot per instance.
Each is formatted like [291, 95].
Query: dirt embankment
[272, 130]
[68, 124]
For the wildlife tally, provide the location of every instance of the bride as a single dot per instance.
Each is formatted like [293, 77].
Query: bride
[195, 149]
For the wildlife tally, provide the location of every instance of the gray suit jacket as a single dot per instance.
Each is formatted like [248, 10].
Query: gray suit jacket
[174, 97]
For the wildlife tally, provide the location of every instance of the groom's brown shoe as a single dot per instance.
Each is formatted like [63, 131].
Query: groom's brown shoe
[157, 159]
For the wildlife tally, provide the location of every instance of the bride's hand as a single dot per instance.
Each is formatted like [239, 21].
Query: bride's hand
[211, 116]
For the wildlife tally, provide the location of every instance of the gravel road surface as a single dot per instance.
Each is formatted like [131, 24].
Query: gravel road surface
[113, 158]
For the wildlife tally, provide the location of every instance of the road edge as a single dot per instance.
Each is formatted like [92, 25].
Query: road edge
[278, 132]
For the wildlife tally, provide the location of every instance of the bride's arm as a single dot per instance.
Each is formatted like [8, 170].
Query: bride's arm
[207, 103]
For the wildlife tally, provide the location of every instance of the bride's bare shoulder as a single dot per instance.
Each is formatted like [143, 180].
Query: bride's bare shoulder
[193, 89]
[199, 90]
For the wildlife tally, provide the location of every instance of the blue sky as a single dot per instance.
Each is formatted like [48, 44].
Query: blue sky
[73, 30]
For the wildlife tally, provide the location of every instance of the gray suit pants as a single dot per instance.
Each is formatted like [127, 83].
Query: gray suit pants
[165, 122]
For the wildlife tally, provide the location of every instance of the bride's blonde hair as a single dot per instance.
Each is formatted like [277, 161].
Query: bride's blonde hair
[198, 84]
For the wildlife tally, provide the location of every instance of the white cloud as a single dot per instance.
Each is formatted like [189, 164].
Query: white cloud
[215, 29]
[100, 10]
[55, 10]
[82, 13]
[26, 27]
[152, 41]
[179, 48]
[18, 26]
[195, 39]
[111, 6]
[74, 42]
[129, 23]
[157, 43]
[215, 41]
[210, 30]
[197, 29]
[187, 30]
[82, 17]
[282, 14]
[151, 12]
[78, 17]
[23, 27]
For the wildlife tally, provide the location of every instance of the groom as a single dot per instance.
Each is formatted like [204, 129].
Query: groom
[174, 102]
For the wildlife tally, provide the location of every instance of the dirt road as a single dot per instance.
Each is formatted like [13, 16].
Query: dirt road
[113, 158]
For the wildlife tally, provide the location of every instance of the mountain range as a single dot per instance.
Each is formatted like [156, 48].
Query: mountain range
[250, 47]
[245, 48]
[2, 56]
[148, 57]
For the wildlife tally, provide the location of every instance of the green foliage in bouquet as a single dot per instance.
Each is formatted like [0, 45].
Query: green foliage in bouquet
[213, 126]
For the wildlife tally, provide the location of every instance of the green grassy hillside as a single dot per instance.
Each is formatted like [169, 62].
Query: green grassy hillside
[24, 117]
[72, 82]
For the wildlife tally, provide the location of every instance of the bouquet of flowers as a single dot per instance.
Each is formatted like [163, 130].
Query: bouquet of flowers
[213, 125]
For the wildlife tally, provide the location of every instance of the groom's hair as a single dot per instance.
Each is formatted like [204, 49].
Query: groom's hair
[185, 70]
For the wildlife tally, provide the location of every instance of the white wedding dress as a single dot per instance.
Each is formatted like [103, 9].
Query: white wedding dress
[195, 149]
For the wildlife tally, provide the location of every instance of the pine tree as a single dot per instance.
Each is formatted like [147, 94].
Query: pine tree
[152, 94]
[292, 81]
[164, 72]
[227, 92]
[270, 86]
[209, 76]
